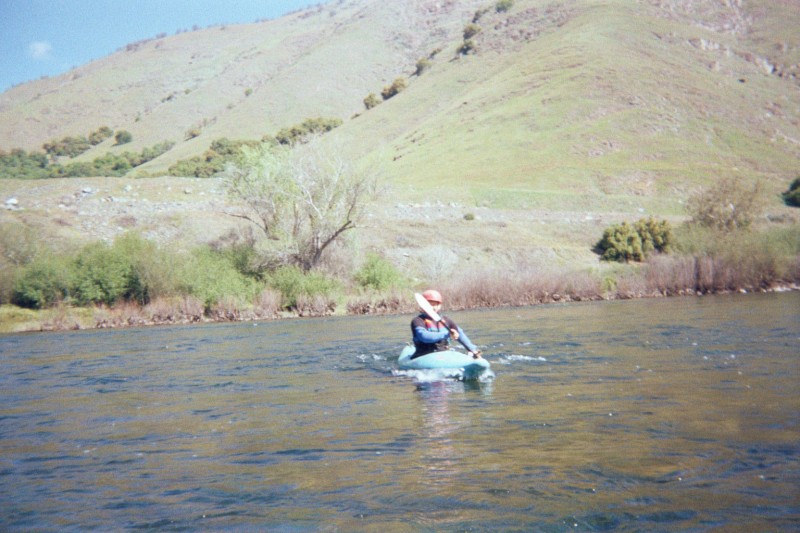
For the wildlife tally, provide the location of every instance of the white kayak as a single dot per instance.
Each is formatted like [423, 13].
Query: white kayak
[445, 360]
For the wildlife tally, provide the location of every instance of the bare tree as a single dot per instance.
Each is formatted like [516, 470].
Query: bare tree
[302, 198]
[728, 205]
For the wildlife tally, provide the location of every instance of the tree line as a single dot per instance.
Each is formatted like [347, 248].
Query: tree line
[49, 163]
[20, 164]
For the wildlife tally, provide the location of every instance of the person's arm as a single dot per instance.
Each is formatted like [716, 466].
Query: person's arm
[429, 337]
[463, 339]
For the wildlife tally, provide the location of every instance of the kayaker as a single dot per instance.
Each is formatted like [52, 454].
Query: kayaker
[430, 336]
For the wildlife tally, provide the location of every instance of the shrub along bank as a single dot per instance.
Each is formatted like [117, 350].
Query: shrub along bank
[135, 282]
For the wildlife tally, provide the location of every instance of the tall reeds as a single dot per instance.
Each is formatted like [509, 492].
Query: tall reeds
[529, 286]
[708, 262]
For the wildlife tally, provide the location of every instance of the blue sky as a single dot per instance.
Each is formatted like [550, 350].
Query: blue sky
[48, 37]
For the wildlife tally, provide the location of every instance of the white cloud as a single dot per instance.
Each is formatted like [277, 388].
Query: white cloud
[40, 50]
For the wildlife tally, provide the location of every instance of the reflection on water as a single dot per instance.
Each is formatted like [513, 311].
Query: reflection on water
[440, 426]
[677, 414]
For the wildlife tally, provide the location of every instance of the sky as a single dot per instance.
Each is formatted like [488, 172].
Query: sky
[49, 37]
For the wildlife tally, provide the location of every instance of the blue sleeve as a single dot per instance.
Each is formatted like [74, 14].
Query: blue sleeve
[463, 339]
[429, 337]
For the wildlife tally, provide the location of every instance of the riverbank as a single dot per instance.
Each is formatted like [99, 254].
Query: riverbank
[192, 265]
[15, 319]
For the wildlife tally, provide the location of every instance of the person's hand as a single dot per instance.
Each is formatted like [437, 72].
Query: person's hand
[454, 334]
[477, 354]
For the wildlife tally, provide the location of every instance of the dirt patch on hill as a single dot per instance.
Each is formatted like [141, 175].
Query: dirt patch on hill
[175, 211]
[427, 239]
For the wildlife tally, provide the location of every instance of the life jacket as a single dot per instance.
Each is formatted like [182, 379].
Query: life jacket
[426, 348]
[430, 325]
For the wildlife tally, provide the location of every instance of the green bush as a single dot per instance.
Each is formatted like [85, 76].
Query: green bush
[656, 236]
[105, 275]
[193, 132]
[230, 149]
[470, 31]
[467, 47]
[294, 284]
[123, 137]
[423, 64]
[153, 269]
[8, 275]
[792, 196]
[19, 164]
[75, 170]
[221, 152]
[379, 274]
[621, 243]
[371, 101]
[102, 133]
[148, 154]
[18, 247]
[199, 167]
[211, 277]
[479, 14]
[131, 269]
[503, 5]
[109, 164]
[42, 283]
[112, 165]
[72, 146]
[634, 242]
[68, 146]
[397, 86]
[311, 126]
[239, 250]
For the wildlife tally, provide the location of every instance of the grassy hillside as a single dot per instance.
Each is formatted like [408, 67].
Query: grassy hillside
[236, 81]
[571, 116]
[600, 99]
[567, 115]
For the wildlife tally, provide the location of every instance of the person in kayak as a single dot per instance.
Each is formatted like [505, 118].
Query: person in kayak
[430, 336]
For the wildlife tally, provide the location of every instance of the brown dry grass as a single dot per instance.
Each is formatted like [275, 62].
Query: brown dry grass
[393, 301]
[496, 288]
[661, 275]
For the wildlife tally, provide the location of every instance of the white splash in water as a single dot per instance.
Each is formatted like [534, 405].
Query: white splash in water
[515, 357]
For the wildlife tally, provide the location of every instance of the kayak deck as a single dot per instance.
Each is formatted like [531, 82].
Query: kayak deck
[444, 360]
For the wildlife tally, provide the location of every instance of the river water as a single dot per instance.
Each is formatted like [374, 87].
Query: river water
[652, 415]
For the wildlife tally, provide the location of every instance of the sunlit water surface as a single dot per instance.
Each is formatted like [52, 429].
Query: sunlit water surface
[654, 415]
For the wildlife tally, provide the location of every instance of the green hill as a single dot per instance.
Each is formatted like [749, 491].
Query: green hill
[565, 116]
